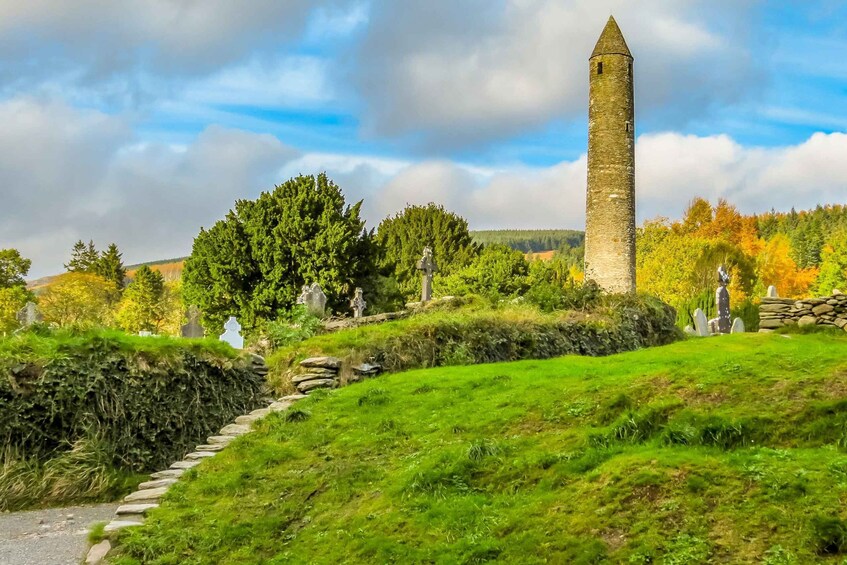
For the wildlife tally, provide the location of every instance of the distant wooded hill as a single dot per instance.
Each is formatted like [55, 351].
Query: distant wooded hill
[531, 241]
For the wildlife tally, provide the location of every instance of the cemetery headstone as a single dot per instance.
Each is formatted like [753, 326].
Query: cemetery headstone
[29, 315]
[314, 299]
[737, 326]
[145, 333]
[772, 293]
[193, 328]
[722, 300]
[358, 304]
[701, 324]
[232, 333]
[427, 267]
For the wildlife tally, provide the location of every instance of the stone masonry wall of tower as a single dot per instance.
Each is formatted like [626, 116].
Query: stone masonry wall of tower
[610, 198]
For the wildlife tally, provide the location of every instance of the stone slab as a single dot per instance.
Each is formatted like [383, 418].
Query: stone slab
[319, 383]
[98, 552]
[297, 379]
[198, 455]
[292, 398]
[168, 474]
[161, 483]
[139, 509]
[146, 495]
[219, 440]
[184, 464]
[279, 406]
[322, 362]
[215, 447]
[234, 430]
[116, 525]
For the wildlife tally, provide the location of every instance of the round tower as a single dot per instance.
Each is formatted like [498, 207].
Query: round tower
[610, 199]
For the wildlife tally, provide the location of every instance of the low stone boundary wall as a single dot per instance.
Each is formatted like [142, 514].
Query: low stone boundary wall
[775, 313]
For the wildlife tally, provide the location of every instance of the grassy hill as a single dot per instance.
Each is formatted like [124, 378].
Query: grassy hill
[726, 450]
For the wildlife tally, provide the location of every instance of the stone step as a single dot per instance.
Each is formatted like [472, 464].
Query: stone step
[234, 430]
[139, 509]
[219, 440]
[184, 464]
[168, 474]
[213, 447]
[292, 398]
[318, 383]
[98, 552]
[116, 525]
[198, 455]
[279, 406]
[260, 412]
[147, 495]
[247, 420]
[156, 484]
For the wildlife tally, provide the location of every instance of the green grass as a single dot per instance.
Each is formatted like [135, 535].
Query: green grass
[728, 449]
[38, 346]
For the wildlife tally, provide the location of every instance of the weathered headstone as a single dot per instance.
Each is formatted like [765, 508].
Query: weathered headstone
[690, 331]
[193, 328]
[145, 333]
[772, 293]
[427, 267]
[358, 304]
[701, 324]
[29, 315]
[232, 333]
[722, 300]
[738, 326]
[314, 299]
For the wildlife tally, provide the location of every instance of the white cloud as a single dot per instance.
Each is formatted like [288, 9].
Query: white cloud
[449, 80]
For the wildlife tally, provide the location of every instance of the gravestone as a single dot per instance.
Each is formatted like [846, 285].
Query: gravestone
[29, 315]
[722, 300]
[193, 329]
[427, 267]
[701, 324]
[145, 333]
[738, 326]
[314, 299]
[358, 304]
[772, 293]
[232, 333]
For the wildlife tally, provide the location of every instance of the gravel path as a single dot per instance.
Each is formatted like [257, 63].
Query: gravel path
[56, 536]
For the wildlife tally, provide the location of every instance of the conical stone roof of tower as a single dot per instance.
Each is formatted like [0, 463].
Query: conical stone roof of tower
[611, 41]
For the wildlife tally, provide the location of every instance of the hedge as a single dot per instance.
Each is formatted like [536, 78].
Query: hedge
[146, 401]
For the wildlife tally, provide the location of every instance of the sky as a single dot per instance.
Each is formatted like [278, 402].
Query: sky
[139, 122]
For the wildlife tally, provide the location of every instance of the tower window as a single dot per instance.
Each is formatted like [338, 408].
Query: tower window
[628, 127]
[600, 68]
[629, 68]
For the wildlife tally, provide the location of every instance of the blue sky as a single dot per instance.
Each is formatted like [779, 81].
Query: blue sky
[141, 121]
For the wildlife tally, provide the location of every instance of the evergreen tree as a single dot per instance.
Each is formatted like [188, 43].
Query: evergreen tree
[84, 258]
[110, 266]
[254, 263]
[833, 274]
[403, 237]
[143, 307]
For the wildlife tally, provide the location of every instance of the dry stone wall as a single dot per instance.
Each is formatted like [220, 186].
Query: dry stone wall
[775, 313]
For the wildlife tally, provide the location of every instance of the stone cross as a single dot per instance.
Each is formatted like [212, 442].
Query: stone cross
[358, 304]
[29, 315]
[232, 333]
[193, 328]
[722, 300]
[314, 299]
[427, 266]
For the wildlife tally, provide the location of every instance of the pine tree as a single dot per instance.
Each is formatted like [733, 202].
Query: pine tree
[84, 258]
[110, 266]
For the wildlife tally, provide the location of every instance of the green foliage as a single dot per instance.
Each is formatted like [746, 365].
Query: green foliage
[142, 306]
[142, 402]
[84, 258]
[13, 268]
[497, 271]
[78, 299]
[833, 273]
[295, 326]
[495, 462]
[530, 241]
[402, 238]
[12, 299]
[254, 263]
[808, 231]
[110, 266]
